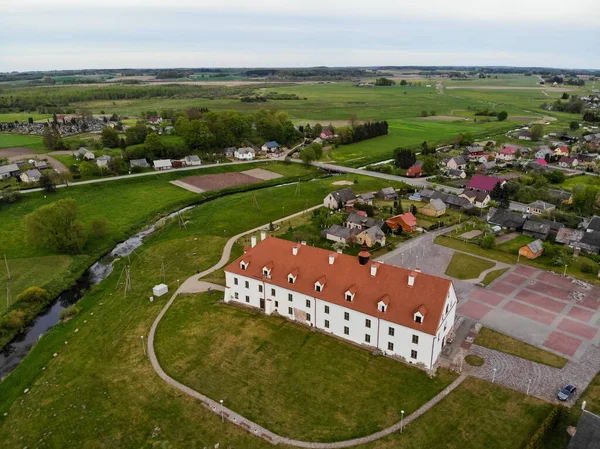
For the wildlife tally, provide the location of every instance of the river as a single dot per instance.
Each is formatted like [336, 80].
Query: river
[19, 347]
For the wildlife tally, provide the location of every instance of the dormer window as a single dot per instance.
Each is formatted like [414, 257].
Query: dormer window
[318, 287]
[243, 265]
[418, 319]
[265, 272]
[291, 278]
[320, 284]
[381, 306]
[419, 314]
[349, 296]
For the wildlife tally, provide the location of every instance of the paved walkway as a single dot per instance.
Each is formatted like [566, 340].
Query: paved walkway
[194, 284]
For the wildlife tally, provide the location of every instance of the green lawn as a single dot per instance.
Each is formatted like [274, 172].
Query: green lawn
[512, 246]
[298, 383]
[463, 266]
[500, 342]
[574, 181]
[22, 117]
[100, 391]
[493, 275]
[8, 140]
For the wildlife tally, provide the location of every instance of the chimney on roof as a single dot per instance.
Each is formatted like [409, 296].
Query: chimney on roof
[339, 251]
[295, 250]
[263, 235]
[411, 279]
[253, 241]
[331, 259]
[373, 269]
[363, 257]
[417, 270]
[303, 242]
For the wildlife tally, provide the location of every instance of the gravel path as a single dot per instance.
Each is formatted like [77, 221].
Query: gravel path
[194, 284]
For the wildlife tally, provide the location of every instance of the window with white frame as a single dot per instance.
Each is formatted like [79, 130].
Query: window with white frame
[391, 331]
[326, 309]
[326, 324]
[246, 284]
[346, 316]
[290, 311]
[367, 338]
[308, 317]
[346, 330]
[413, 354]
[235, 281]
[368, 323]
[415, 339]
[390, 346]
[260, 288]
[308, 303]
[272, 292]
[290, 297]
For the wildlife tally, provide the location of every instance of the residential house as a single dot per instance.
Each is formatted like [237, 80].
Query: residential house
[507, 154]
[192, 160]
[539, 207]
[229, 151]
[244, 154]
[340, 234]
[569, 236]
[371, 236]
[568, 162]
[387, 193]
[400, 312]
[83, 154]
[524, 135]
[414, 172]
[587, 432]
[365, 198]
[162, 164]
[270, 146]
[536, 229]
[483, 158]
[590, 242]
[326, 134]
[486, 167]
[10, 170]
[340, 199]
[474, 152]
[143, 163]
[41, 165]
[587, 159]
[506, 219]
[361, 222]
[406, 221]
[457, 174]
[541, 162]
[477, 198]
[543, 151]
[565, 197]
[102, 161]
[532, 250]
[561, 151]
[435, 208]
[594, 224]
[31, 176]
[457, 163]
[484, 183]
[450, 200]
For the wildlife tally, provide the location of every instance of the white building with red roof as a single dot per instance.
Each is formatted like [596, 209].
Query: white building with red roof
[403, 313]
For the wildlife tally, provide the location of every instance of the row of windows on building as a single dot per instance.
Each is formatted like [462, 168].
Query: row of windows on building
[318, 288]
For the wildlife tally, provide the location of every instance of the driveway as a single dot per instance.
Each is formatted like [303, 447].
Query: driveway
[19, 153]
[541, 308]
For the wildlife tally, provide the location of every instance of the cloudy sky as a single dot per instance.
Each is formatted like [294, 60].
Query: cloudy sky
[65, 34]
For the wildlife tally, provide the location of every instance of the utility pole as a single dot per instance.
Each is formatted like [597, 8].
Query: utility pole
[7, 270]
[163, 273]
[128, 287]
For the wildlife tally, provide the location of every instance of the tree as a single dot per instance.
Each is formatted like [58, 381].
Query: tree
[99, 228]
[489, 241]
[403, 83]
[425, 148]
[404, 158]
[502, 115]
[56, 226]
[565, 96]
[384, 82]
[464, 139]
[584, 199]
[33, 295]
[429, 165]
[574, 125]
[536, 131]
[51, 138]
[136, 134]
[47, 183]
[318, 149]
[308, 155]
[110, 137]
[317, 130]
[122, 143]
[555, 177]
[154, 145]
[413, 209]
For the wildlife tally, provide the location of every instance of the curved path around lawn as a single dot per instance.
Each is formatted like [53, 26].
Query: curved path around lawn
[194, 284]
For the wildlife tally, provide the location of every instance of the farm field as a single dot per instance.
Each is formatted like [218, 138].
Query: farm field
[99, 389]
[20, 140]
[23, 116]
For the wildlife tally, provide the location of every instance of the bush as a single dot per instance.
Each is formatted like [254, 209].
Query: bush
[586, 267]
[33, 295]
[100, 228]
[14, 320]
[489, 241]
[69, 312]
[547, 426]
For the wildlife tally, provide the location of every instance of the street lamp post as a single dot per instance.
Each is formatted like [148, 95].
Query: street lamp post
[494, 376]
[222, 416]
[143, 346]
[401, 420]
[528, 385]
[565, 273]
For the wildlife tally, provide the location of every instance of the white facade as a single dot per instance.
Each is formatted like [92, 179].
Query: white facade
[246, 154]
[391, 338]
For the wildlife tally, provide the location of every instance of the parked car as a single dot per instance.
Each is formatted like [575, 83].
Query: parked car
[566, 392]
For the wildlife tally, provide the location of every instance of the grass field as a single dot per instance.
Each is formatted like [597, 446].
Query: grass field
[101, 392]
[22, 117]
[493, 275]
[285, 377]
[575, 181]
[20, 140]
[500, 342]
[463, 266]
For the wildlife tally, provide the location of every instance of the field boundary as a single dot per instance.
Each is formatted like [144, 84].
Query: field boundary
[194, 284]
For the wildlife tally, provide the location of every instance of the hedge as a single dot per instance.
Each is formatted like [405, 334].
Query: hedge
[547, 426]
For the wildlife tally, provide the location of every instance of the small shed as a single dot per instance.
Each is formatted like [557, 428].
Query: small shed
[532, 250]
[434, 208]
[160, 289]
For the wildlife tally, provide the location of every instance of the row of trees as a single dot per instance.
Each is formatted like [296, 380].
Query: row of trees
[357, 133]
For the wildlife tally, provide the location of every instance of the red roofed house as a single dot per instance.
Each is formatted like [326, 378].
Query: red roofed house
[414, 172]
[403, 313]
[484, 183]
[506, 154]
[567, 162]
[326, 134]
[406, 221]
[541, 162]
[561, 151]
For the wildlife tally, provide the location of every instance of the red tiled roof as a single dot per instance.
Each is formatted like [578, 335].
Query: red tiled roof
[389, 284]
[567, 159]
[414, 170]
[409, 219]
[508, 150]
[541, 161]
[482, 182]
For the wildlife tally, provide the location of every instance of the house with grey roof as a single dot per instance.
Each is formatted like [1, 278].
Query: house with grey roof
[387, 193]
[102, 161]
[340, 198]
[539, 207]
[139, 163]
[587, 432]
[536, 229]
[192, 160]
[83, 154]
[31, 176]
[506, 219]
[365, 198]
[357, 221]
[457, 163]
[594, 224]
[340, 234]
[371, 236]
[10, 170]
[562, 195]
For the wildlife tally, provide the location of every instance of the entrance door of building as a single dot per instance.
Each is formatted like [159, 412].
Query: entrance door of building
[262, 303]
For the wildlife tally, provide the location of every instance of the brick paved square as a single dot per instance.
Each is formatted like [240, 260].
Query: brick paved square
[580, 314]
[504, 288]
[590, 303]
[525, 270]
[541, 301]
[562, 343]
[573, 327]
[556, 280]
[482, 295]
[473, 310]
[530, 312]
[550, 290]
[514, 279]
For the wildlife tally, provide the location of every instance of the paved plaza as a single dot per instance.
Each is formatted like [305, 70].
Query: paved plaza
[540, 308]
